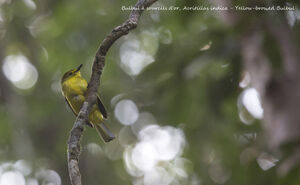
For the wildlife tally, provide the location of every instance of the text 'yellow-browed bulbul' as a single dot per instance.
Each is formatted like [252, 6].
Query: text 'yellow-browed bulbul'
[74, 88]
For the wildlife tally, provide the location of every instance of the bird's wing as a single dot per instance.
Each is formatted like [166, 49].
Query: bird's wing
[70, 106]
[101, 108]
[89, 124]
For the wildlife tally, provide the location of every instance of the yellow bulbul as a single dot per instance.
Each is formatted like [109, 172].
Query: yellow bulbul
[74, 88]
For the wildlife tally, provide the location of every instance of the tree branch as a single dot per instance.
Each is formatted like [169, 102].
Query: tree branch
[98, 65]
[255, 61]
[279, 92]
[282, 33]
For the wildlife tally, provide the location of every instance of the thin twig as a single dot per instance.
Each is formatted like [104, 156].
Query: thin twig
[98, 65]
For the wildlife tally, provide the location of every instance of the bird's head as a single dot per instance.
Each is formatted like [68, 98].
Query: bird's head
[71, 73]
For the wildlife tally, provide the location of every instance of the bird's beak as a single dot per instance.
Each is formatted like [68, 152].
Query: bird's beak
[78, 68]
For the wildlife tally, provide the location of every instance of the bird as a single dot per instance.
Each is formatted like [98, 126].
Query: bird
[74, 88]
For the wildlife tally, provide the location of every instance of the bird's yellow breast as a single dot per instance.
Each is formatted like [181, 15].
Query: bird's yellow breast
[74, 86]
[74, 89]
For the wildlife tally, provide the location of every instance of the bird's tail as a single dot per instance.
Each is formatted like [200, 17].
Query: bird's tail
[104, 132]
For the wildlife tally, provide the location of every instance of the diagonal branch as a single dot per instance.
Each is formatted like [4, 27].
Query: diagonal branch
[98, 65]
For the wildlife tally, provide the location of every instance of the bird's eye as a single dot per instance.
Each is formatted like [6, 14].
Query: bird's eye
[70, 73]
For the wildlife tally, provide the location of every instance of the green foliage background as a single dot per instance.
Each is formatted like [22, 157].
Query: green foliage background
[185, 87]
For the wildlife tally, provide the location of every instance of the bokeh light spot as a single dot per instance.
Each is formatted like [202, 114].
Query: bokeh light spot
[49, 177]
[30, 4]
[135, 55]
[23, 167]
[252, 103]
[158, 175]
[266, 161]
[246, 79]
[12, 178]
[167, 141]
[20, 71]
[130, 167]
[165, 35]
[126, 112]
[206, 46]
[32, 181]
[144, 156]
[94, 149]
[145, 119]
[156, 155]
